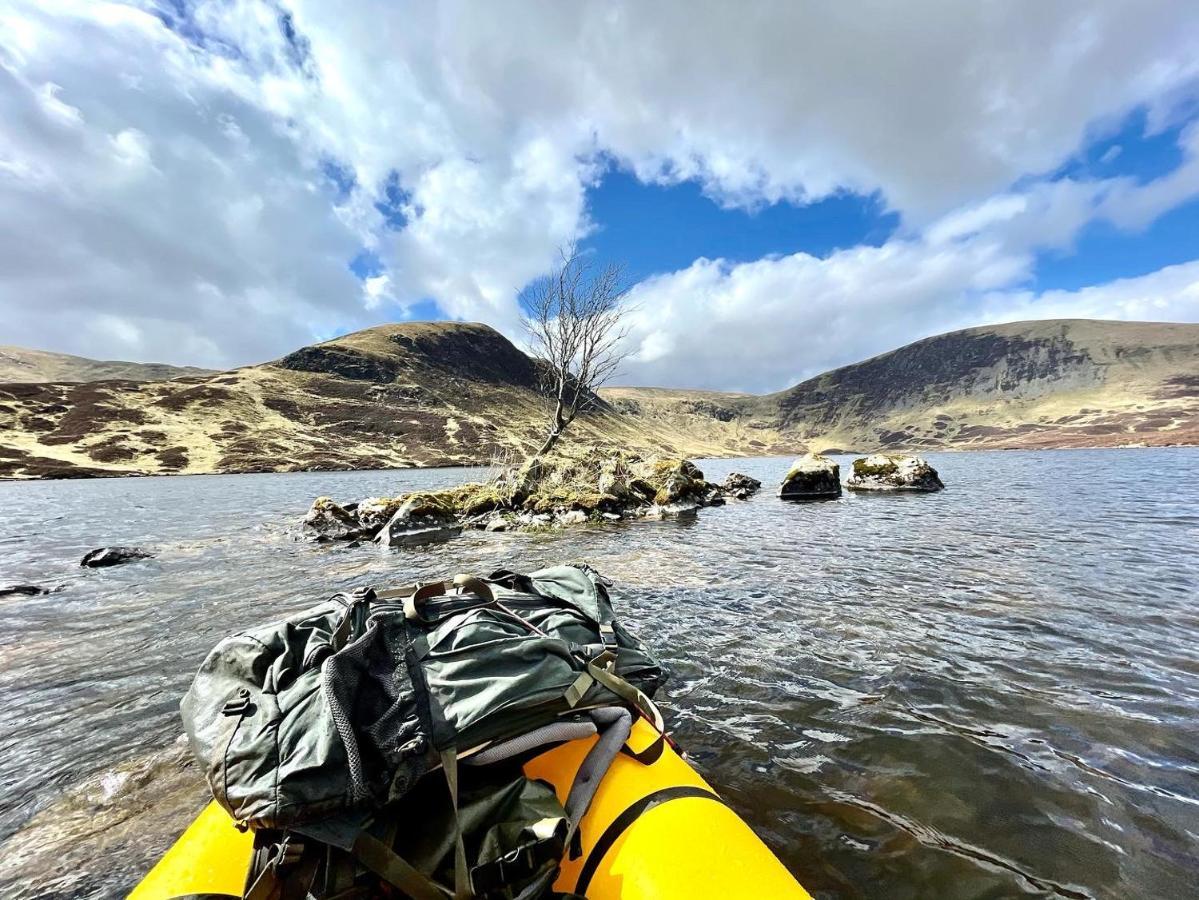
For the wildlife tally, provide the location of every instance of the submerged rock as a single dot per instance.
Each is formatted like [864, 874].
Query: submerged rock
[673, 511]
[333, 522]
[28, 590]
[812, 477]
[740, 487]
[886, 472]
[113, 556]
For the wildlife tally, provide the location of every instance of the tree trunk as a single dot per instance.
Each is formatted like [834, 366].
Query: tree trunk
[549, 443]
[556, 428]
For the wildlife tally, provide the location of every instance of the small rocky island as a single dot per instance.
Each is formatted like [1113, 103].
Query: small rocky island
[812, 477]
[545, 492]
[892, 472]
[591, 485]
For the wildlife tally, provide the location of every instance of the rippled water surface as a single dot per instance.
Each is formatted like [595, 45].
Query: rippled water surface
[989, 692]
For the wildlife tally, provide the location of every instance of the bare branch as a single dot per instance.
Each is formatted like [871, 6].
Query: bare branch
[577, 330]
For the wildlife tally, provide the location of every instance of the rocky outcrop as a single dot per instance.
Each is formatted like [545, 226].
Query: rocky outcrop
[564, 490]
[812, 477]
[886, 472]
[422, 518]
[740, 487]
[333, 522]
[113, 556]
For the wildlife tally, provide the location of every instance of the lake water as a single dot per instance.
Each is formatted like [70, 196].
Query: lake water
[987, 692]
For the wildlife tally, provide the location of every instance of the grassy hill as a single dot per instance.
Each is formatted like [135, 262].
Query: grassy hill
[417, 394]
[424, 394]
[18, 364]
[1056, 383]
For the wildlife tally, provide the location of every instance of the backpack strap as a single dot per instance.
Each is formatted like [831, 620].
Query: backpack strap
[281, 870]
[462, 888]
[395, 870]
[602, 669]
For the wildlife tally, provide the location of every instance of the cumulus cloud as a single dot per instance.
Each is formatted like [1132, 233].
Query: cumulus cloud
[190, 180]
[768, 324]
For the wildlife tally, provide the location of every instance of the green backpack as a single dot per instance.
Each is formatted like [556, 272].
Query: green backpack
[319, 730]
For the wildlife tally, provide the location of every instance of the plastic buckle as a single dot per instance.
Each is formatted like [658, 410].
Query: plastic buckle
[238, 706]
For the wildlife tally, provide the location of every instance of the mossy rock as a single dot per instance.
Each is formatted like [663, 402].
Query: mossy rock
[663, 467]
[870, 467]
[476, 498]
[439, 504]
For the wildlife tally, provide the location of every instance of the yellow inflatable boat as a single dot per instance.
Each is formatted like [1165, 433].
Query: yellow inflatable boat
[653, 832]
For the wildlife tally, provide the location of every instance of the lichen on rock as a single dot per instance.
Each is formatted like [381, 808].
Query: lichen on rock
[812, 477]
[560, 490]
[893, 472]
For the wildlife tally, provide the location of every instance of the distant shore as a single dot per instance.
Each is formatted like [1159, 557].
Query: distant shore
[485, 465]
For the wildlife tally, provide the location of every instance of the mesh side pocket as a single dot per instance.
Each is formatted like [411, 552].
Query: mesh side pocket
[374, 708]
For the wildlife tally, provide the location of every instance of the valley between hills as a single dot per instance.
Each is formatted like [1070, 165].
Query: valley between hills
[444, 393]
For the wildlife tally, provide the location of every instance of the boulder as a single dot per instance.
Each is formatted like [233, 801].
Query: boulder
[499, 523]
[886, 472]
[113, 556]
[422, 518]
[740, 487]
[573, 517]
[374, 512]
[333, 522]
[672, 511]
[680, 480]
[812, 477]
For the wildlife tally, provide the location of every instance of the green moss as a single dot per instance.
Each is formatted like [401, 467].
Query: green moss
[430, 503]
[863, 469]
[476, 498]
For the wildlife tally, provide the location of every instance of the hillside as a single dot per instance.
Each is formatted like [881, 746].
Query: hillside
[416, 394]
[425, 394]
[1057, 383]
[18, 364]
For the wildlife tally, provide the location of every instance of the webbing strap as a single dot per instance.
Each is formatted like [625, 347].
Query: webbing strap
[341, 634]
[462, 889]
[394, 869]
[633, 695]
[622, 822]
[301, 866]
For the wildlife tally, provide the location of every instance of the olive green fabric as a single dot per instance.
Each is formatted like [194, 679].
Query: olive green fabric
[514, 833]
[345, 707]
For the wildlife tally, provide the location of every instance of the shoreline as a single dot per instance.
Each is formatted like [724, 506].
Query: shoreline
[8, 479]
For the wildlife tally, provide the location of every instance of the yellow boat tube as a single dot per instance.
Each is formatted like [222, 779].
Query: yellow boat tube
[653, 832]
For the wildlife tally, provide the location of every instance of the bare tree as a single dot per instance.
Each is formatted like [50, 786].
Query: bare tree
[576, 323]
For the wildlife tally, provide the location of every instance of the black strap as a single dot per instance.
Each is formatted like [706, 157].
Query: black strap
[622, 822]
[394, 869]
[462, 887]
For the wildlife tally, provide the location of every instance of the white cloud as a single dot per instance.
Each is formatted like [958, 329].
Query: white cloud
[768, 324]
[162, 189]
[132, 225]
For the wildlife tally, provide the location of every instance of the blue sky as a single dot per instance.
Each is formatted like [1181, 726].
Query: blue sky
[655, 228]
[791, 187]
